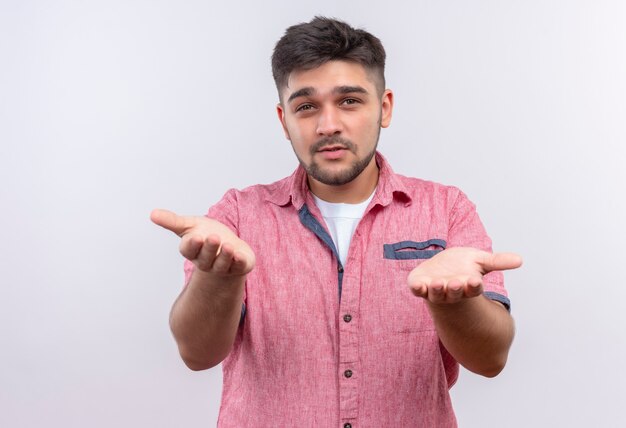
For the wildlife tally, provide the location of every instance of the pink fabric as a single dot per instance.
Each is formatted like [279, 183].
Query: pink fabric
[289, 361]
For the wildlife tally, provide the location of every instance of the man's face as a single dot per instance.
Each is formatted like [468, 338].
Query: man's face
[332, 115]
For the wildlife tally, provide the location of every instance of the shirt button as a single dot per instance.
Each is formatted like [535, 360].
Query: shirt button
[347, 373]
[340, 269]
[347, 317]
[347, 425]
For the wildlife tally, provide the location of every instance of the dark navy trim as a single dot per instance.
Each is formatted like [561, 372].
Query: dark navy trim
[395, 251]
[311, 223]
[499, 298]
[243, 312]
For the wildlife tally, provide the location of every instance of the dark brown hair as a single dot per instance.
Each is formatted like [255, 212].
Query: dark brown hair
[308, 45]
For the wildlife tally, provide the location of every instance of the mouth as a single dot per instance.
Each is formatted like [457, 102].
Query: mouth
[333, 153]
[333, 148]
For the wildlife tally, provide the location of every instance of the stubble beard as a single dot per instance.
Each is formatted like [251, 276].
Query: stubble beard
[338, 178]
[344, 176]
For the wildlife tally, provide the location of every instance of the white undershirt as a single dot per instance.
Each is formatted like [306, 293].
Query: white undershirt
[342, 220]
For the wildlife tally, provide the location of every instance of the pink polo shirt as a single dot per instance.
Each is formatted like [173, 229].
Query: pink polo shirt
[326, 345]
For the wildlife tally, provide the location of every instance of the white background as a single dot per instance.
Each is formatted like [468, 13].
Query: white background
[111, 108]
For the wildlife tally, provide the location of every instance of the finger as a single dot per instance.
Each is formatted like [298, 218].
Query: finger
[474, 287]
[454, 290]
[242, 263]
[210, 249]
[500, 261]
[437, 291]
[418, 285]
[172, 221]
[224, 259]
[419, 290]
[190, 246]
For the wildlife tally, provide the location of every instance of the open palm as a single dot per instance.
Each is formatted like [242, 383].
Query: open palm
[457, 273]
[208, 244]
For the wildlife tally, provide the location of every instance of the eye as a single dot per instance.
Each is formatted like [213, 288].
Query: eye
[350, 101]
[304, 107]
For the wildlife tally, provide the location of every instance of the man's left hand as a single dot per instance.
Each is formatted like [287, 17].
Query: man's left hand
[457, 273]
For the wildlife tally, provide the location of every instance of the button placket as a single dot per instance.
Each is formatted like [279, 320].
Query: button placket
[349, 343]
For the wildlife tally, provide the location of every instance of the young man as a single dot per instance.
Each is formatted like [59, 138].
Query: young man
[343, 295]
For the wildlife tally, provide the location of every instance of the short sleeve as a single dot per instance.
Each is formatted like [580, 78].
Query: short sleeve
[225, 211]
[466, 230]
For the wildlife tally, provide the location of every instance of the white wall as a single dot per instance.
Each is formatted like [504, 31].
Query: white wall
[111, 108]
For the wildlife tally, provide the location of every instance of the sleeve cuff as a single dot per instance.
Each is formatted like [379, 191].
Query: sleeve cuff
[499, 298]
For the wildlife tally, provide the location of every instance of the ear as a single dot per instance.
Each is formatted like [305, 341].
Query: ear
[281, 118]
[386, 108]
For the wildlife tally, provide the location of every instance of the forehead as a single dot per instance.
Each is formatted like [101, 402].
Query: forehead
[330, 75]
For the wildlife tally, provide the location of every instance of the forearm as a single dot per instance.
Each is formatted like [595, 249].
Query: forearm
[477, 332]
[205, 317]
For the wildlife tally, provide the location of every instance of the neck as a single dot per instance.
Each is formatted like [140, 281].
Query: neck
[353, 192]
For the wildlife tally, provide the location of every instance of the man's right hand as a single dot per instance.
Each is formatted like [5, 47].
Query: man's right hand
[205, 317]
[211, 246]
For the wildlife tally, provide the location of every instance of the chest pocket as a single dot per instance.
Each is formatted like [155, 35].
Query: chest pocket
[412, 250]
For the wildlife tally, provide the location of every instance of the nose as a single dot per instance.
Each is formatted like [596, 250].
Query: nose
[329, 122]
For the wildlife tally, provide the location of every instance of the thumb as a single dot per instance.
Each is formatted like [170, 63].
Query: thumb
[172, 221]
[501, 261]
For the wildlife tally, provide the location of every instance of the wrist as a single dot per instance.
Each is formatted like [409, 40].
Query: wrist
[466, 304]
[214, 285]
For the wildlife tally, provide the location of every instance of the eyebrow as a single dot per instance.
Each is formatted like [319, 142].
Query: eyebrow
[346, 89]
[350, 90]
[304, 92]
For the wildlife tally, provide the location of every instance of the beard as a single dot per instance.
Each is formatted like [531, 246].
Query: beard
[337, 178]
